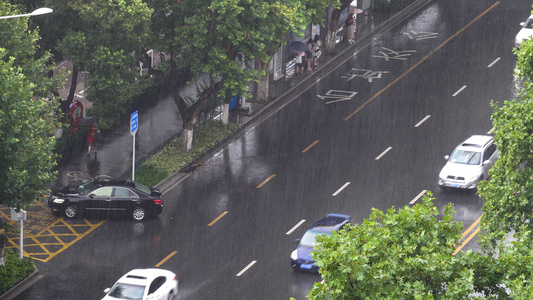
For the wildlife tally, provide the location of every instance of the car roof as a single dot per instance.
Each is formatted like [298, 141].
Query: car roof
[144, 276]
[330, 223]
[476, 142]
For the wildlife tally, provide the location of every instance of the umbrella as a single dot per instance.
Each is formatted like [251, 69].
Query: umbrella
[88, 121]
[354, 10]
[298, 46]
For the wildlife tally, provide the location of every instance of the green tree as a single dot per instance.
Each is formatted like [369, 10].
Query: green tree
[26, 113]
[105, 41]
[401, 254]
[216, 38]
[507, 195]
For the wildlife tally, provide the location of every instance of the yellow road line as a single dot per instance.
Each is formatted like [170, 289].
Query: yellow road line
[166, 258]
[466, 241]
[218, 218]
[473, 225]
[310, 146]
[266, 180]
[421, 61]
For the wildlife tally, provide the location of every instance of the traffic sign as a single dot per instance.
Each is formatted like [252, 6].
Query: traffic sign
[134, 122]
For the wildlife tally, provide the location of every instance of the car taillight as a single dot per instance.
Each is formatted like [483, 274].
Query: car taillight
[158, 201]
[175, 277]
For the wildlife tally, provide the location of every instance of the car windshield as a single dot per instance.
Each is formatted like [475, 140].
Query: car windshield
[85, 187]
[309, 238]
[466, 157]
[529, 23]
[127, 291]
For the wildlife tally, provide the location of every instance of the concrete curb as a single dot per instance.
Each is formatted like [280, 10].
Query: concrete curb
[285, 98]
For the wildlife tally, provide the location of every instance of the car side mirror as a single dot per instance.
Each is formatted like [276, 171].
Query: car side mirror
[91, 196]
[522, 24]
[446, 157]
[107, 290]
[486, 162]
[297, 240]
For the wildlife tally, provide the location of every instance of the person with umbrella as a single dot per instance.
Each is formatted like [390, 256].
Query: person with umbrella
[92, 138]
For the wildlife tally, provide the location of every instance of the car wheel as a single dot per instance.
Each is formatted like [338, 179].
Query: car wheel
[71, 211]
[138, 213]
[171, 296]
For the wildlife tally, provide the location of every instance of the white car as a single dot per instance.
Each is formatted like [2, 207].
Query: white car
[469, 163]
[525, 33]
[142, 284]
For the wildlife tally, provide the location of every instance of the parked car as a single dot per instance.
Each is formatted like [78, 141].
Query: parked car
[469, 163]
[141, 284]
[107, 195]
[525, 33]
[301, 259]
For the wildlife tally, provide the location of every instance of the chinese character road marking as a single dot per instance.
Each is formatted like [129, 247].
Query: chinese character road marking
[337, 95]
[367, 74]
[421, 35]
[391, 54]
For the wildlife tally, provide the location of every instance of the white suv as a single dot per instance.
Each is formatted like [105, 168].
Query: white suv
[525, 33]
[469, 163]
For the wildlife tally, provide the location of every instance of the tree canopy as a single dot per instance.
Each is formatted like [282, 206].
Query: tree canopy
[26, 113]
[509, 191]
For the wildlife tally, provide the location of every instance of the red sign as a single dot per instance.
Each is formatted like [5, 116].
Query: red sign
[75, 114]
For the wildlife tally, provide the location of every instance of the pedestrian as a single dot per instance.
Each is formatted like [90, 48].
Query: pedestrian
[92, 138]
[309, 54]
[349, 27]
[316, 49]
[299, 62]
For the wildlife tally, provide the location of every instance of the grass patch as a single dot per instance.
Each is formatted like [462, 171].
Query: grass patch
[172, 159]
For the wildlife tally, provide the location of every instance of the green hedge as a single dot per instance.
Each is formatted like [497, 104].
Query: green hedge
[172, 159]
[14, 271]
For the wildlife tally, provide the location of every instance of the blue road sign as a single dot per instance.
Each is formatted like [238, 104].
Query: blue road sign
[134, 122]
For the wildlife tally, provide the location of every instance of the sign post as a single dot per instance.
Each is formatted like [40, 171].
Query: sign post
[134, 125]
[19, 216]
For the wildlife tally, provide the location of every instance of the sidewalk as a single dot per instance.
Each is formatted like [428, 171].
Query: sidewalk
[162, 121]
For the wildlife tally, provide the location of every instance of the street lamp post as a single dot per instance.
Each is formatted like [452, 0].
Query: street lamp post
[37, 12]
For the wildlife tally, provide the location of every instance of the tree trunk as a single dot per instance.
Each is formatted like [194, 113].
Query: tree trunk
[225, 113]
[261, 93]
[332, 24]
[65, 104]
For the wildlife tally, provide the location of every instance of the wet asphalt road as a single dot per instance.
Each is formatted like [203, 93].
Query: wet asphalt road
[357, 128]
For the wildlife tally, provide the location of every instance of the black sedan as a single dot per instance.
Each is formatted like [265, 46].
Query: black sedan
[107, 195]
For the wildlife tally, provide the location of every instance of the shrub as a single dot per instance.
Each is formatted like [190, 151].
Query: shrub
[172, 159]
[14, 271]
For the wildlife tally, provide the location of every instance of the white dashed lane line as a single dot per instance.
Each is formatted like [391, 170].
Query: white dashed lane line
[340, 189]
[383, 153]
[246, 268]
[460, 90]
[295, 227]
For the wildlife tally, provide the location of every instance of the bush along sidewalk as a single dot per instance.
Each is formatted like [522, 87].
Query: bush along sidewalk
[14, 271]
[171, 159]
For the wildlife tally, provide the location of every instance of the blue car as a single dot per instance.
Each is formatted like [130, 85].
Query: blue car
[301, 259]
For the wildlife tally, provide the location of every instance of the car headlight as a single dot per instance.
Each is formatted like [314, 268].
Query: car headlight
[294, 255]
[58, 201]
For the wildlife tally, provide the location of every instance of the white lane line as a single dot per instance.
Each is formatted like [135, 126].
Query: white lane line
[491, 131]
[418, 196]
[295, 226]
[340, 189]
[383, 153]
[460, 90]
[247, 267]
[422, 121]
[492, 63]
